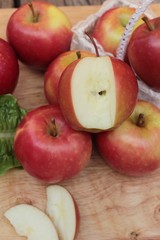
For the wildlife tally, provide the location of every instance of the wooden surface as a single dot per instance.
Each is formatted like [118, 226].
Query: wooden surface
[72, 2]
[16, 3]
[6, 3]
[112, 206]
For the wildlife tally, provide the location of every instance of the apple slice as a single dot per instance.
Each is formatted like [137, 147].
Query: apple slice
[31, 222]
[63, 211]
[97, 93]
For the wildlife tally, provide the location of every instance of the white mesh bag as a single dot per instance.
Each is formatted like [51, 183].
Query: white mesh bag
[81, 41]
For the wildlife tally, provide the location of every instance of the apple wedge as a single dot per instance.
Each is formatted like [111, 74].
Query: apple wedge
[97, 93]
[31, 222]
[63, 211]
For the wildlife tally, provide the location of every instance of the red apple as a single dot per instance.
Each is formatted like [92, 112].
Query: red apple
[133, 147]
[39, 33]
[9, 68]
[54, 72]
[97, 93]
[109, 28]
[48, 148]
[144, 51]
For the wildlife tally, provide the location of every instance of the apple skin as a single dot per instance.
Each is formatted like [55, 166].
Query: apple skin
[109, 28]
[48, 157]
[144, 51]
[9, 68]
[132, 149]
[126, 94]
[38, 43]
[54, 72]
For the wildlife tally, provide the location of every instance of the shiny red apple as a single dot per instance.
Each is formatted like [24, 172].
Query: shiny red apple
[48, 148]
[144, 51]
[133, 148]
[9, 68]
[39, 32]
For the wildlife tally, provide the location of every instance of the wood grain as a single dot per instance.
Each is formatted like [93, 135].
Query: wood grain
[72, 2]
[6, 4]
[112, 206]
[16, 3]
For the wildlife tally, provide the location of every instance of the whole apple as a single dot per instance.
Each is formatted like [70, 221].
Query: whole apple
[55, 69]
[9, 68]
[97, 93]
[48, 148]
[39, 32]
[133, 147]
[109, 28]
[144, 51]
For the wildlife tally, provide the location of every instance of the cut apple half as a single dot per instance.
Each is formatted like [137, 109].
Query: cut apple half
[96, 93]
[63, 211]
[93, 93]
[31, 222]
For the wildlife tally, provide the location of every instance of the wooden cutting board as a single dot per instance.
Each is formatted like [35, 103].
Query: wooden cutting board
[112, 206]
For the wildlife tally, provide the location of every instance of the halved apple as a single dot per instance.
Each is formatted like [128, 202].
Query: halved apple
[31, 222]
[97, 94]
[63, 211]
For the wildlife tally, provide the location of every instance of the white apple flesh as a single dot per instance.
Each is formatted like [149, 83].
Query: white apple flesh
[63, 211]
[96, 88]
[97, 93]
[31, 222]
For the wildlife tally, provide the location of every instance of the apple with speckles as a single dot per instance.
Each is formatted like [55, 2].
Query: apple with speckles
[48, 148]
[39, 32]
[133, 148]
[9, 68]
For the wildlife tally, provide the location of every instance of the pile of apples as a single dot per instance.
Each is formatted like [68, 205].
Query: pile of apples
[88, 95]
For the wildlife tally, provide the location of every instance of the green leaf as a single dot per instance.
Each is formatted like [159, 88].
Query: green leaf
[11, 114]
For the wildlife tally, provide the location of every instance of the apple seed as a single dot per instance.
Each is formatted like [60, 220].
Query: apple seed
[102, 93]
[140, 120]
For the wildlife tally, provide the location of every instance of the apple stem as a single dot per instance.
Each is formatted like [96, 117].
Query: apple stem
[78, 53]
[148, 23]
[52, 128]
[35, 16]
[93, 42]
[140, 120]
